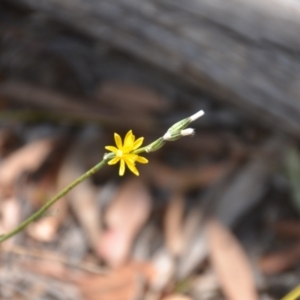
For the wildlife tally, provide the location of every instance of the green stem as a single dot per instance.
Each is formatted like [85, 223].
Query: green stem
[49, 203]
[43, 209]
[174, 132]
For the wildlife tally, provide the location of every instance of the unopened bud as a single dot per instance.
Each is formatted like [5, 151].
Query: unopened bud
[187, 131]
[155, 145]
[181, 125]
[173, 136]
[197, 115]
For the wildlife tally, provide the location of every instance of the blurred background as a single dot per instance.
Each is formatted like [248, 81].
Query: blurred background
[211, 217]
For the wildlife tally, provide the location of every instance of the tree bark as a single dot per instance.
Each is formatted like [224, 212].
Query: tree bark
[242, 52]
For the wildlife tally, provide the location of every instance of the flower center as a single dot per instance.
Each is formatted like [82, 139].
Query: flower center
[119, 153]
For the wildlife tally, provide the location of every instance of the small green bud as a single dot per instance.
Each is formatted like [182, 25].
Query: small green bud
[181, 125]
[155, 145]
[173, 136]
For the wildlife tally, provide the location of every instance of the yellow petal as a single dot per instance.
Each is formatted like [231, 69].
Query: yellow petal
[111, 148]
[130, 157]
[138, 143]
[132, 167]
[122, 168]
[118, 141]
[113, 161]
[141, 159]
[129, 140]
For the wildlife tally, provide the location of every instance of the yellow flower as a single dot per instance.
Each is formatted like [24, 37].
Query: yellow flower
[123, 153]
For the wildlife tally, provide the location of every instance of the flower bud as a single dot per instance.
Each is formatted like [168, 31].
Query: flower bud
[197, 115]
[173, 136]
[187, 131]
[155, 145]
[181, 125]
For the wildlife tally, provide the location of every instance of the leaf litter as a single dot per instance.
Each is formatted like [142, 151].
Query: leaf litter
[211, 217]
[152, 234]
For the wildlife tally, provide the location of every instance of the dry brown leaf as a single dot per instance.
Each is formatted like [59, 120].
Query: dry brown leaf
[288, 228]
[216, 144]
[185, 179]
[195, 243]
[194, 252]
[125, 283]
[83, 204]
[51, 268]
[124, 218]
[150, 235]
[123, 99]
[42, 255]
[48, 98]
[177, 297]
[26, 159]
[164, 266]
[126, 95]
[38, 192]
[45, 229]
[82, 199]
[248, 185]
[8, 141]
[10, 212]
[68, 106]
[173, 225]
[230, 263]
[204, 285]
[280, 261]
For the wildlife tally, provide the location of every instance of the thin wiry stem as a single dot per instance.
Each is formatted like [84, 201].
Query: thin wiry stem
[58, 196]
[49, 203]
[174, 132]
